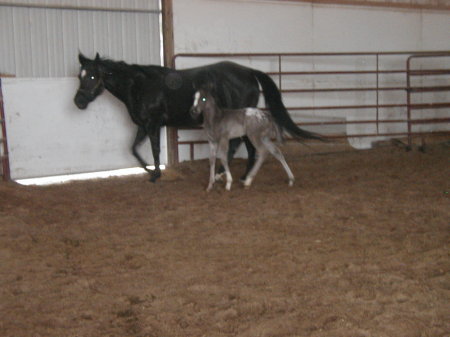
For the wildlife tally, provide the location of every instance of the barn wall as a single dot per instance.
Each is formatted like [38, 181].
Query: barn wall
[261, 26]
[42, 38]
[39, 45]
[48, 135]
[270, 26]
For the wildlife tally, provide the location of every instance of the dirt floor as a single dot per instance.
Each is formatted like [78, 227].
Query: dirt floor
[359, 247]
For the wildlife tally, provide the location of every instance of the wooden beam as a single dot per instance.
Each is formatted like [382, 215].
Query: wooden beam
[167, 33]
[168, 52]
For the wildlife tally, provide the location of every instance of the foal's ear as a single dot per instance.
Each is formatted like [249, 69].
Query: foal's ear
[97, 58]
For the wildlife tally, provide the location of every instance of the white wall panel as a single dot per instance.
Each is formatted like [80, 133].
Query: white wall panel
[48, 135]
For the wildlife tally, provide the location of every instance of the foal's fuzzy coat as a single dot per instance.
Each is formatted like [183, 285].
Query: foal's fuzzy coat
[221, 125]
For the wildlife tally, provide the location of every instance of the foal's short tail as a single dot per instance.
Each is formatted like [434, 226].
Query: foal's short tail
[275, 104]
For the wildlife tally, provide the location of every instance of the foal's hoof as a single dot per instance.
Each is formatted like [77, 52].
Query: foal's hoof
[219, 177]
[291, 183]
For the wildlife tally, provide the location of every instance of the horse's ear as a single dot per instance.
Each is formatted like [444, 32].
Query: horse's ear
[97, 58]
[83, 59]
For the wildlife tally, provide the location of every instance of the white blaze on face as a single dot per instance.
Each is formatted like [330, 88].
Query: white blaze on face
[83, 73]
[196, 98]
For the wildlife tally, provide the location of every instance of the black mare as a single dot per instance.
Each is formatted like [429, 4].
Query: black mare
[156, 96]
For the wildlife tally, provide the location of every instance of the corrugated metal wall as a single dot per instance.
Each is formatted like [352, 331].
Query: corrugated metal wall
[42, 38]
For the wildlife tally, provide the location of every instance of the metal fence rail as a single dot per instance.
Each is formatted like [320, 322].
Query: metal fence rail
[376, 87]
[410, 73]
[4, 168]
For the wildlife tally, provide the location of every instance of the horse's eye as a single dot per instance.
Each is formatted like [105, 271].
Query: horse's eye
[203, 99]
[92, 77]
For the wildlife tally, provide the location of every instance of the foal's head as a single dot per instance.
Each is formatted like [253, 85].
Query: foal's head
[203, 102]
[91, 81]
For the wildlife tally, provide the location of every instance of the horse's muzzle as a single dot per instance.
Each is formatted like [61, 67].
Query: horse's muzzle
[193, 111]
[81, 101]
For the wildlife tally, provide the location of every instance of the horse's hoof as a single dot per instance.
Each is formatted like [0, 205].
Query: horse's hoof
[247, 183]
[291, 183]
[154, 177]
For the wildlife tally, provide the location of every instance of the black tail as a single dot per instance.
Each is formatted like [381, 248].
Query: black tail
[275, 104]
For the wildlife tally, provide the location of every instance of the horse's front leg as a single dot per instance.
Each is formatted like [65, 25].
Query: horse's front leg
[140, 136]
[233, 146]
[212, 165]
[222, 154]
[154, 134]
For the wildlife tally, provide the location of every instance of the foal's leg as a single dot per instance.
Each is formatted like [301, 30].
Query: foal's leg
[276, 152]
[222, 154]
[251, 151]
[233, 146]
[212, 165]
[261, 156]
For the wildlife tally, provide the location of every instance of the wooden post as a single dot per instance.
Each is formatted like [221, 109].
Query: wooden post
[168, 45]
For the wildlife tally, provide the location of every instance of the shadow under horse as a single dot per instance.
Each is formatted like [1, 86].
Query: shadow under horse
[157, 96]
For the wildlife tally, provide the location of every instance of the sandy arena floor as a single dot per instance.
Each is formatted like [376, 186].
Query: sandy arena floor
[359, 247]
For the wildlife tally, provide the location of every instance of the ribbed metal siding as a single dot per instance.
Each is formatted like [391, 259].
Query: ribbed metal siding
[40, 40]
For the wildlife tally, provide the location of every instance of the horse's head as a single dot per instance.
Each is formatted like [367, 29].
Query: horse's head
[91, 81]
[203, 102]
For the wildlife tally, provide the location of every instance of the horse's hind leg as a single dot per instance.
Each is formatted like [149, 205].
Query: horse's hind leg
[154, 135]
[276, 152]
[261, 155]
[140, 135]
[251, 151]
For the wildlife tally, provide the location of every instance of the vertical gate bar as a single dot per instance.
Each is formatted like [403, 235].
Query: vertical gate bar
[6, 175]
[279, 71]
[408, 100]
[378, 91]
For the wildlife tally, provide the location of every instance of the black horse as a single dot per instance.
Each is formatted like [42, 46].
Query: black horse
[156, 96]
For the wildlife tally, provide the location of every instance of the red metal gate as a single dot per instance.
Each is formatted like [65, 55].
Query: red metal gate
[369, 79]
[4, 169]
[412, 89]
